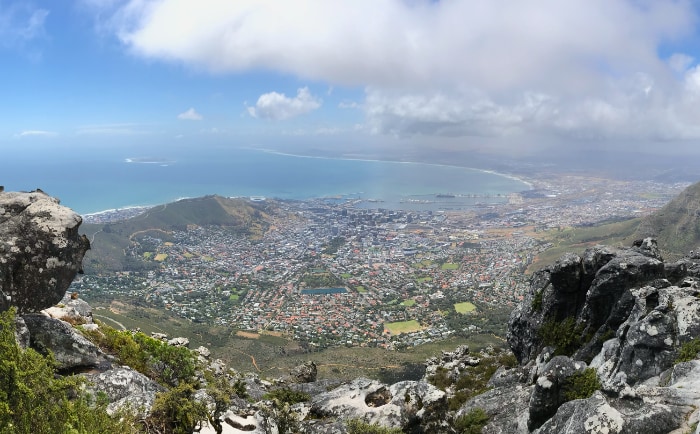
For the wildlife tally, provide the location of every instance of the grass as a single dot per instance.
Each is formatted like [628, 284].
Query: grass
[408, 303]
[396, 328]
[449, 266]
[147, 255]
[160, 257]
[361, 289]
[465, 307]
[345, 276]
[424, 279]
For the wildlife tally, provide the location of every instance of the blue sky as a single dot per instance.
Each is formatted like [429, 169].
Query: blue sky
[506, 75]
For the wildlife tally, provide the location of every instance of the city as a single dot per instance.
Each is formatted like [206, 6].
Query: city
[384, 278]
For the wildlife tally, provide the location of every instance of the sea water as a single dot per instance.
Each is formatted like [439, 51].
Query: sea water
[94, 181]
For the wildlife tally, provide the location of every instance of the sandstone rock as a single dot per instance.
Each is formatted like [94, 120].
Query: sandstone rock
[179, 342]
[507, 408]
[126, 389]
[40, 250]
[550, 389]
[70, 349]
[304, 373]
[404, 404]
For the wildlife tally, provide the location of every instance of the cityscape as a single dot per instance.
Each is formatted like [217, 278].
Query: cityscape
[339, 274]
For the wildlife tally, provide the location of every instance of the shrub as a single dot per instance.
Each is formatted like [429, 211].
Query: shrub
[563, 335]
[356, 426]
[537, 301]
[581, 385]
[689, 351]
[472, 422]
[287, 396]
[34, 399]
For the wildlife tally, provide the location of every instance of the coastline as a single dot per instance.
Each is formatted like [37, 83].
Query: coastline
[492, 172]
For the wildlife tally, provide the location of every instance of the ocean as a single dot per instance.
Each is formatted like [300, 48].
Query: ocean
[90, 182]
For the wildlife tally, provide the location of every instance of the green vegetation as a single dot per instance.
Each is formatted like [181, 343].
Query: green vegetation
[424, 279]
[472, 422]
[287, 396]
[333, 246]
[399, 327]
[33, 399]
[408, 303]
[465, 307]
[564, 336]
[581, 385]
[449, 266]
[345, 276]
[361, 289]
[357, 426]
[474, 379]
[160, 257]
[240, 216]
[689, 351]
[169, 365]
[537, 301]
[321, 279]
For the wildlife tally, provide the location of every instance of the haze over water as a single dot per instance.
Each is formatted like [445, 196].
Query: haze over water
[90, 184]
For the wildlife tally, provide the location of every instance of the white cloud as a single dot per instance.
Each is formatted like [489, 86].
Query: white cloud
[190, 115]
[457, 67]
[278, 106]
[36, 133]
[20, 24]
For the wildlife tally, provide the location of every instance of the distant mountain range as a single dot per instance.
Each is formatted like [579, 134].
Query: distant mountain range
[109, 241]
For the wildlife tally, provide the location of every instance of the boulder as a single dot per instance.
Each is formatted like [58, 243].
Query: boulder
[40, 250]
[70, 349]
[403, 405]
[126, 389]
[550, 389]
[304, 373]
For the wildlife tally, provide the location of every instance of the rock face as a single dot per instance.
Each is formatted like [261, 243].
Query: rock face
[401, 405]
[70, 349]
[40, 250]
[622, 313]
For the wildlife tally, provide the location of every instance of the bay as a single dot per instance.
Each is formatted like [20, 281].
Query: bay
[91, 182]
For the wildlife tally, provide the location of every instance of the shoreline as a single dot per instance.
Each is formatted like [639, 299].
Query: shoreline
[492, 172]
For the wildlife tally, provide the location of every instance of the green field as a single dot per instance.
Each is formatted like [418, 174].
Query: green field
[465, 307]
[361, 289]
[424, 279]
[408, 303]
[449, 266]
[345, 276]
[160, 257]
[396, 328]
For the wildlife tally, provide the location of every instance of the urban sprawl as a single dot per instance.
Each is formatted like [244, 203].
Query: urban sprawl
[339, 274]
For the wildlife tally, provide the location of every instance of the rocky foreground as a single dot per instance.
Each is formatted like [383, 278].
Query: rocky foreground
[605, 343]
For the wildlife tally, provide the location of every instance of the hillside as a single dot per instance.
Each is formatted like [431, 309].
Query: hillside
[110, 241]
[675, 226]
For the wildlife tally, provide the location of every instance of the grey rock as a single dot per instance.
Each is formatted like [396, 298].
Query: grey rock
[126, 389]
[507, 408]
[550, 389]
[179, 342]
[40, 250]
[70, 349]
[304, 373]
[22, 335]
[404, 404]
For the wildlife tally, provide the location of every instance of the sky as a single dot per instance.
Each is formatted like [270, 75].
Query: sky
[503, 76]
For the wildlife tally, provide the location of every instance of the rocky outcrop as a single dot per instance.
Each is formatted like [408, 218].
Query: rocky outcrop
[625, 313]
[126, 389]
[40, 250]
[401, 405]
[70, 349]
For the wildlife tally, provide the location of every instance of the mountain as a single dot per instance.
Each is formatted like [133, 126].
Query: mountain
[676, 226]
[109, 241]
[603, 341]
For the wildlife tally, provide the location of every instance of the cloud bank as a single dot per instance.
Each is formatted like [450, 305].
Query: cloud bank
[579, 68]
